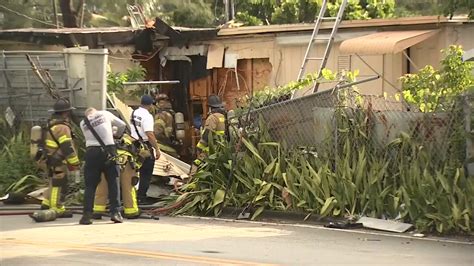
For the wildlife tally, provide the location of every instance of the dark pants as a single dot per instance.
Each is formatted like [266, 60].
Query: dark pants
[146, 171]
[96, 164]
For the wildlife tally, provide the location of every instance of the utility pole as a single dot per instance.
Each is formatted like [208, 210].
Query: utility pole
[229, 10]
[55, 11]
[81, 23]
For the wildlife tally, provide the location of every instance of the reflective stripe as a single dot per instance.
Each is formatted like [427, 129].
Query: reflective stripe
[197, 162]
[51, 144]
[134, 199]
[134, 208]
[54, 200]
[130, 211]
[220, 132]
[123, 153]
[63, 139]
[202, 146]
[123, 157]
[45, 202]
[73, 160]
[99, 208]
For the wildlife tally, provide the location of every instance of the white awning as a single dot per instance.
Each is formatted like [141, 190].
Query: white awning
[386, 42]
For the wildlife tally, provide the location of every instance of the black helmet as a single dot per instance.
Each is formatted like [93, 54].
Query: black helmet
[214, 101]
[62, 105]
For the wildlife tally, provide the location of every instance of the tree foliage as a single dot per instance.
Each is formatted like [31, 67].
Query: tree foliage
[208, 13]
[435, 90]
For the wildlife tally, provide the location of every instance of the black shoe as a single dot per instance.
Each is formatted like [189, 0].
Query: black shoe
[65, 214]
[86, 218]
[97, 216]
[116, 217]
[44, 207]
[146, 201]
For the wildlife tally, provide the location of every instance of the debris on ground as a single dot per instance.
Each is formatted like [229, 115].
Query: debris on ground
[384, 225]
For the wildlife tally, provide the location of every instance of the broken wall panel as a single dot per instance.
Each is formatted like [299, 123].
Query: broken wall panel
[253, 74]
[199, 88]
[261, 73]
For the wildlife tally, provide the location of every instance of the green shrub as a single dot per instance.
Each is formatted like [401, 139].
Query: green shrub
[15, 161]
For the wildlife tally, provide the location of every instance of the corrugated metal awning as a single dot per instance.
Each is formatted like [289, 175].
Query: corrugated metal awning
[386, 42]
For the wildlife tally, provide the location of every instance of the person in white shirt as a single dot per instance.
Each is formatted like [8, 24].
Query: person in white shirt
[99, 159]
[142, 125]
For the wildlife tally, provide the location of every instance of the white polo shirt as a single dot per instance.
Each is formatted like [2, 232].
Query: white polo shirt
[102, 122]
[144, 122]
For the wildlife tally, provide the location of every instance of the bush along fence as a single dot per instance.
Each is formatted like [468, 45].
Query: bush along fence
[339, 153]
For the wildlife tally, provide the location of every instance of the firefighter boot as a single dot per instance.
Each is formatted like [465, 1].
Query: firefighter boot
[86, 218]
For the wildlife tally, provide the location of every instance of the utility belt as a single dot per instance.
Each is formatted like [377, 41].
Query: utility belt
[108, 148]
[145, 149]
[110, 152]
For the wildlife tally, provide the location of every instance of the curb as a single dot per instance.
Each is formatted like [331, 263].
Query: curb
[319, 227]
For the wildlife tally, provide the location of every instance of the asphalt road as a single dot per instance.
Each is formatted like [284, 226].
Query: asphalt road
[192, 241]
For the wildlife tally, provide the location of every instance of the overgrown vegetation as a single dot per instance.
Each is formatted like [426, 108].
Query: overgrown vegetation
[208, 13]
[269, 96]
[115, 81]
[15, 162]
[417, 176]
[435, 90]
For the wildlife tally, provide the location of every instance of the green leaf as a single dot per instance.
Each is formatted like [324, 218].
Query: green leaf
[218, 198]
[253, 150]
[270, 167]
[327, 207]
[257, 212]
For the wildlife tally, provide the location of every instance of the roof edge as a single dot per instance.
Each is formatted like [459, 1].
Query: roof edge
[344, 24]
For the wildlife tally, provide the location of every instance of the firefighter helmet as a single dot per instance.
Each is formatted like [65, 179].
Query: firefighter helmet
[162, 96]
[62, 105]
[214, 101]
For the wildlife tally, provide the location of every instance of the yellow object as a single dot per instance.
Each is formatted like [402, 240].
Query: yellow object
[127, 190]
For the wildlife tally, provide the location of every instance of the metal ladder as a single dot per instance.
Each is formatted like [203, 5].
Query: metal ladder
[137, 18]
[315, 37]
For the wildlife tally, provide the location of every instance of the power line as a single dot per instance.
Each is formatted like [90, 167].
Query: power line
[28, 17]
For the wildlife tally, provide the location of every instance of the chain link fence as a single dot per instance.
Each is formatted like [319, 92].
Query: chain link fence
[329, 121]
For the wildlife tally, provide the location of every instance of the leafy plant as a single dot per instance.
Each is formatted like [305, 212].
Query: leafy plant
[247, 19]
[15, 161]
[115, 79]
[381, 9]
[353, 10]
[26, 184]
[435, 90]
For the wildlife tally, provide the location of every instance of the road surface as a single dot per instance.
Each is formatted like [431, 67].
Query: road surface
[193, 241]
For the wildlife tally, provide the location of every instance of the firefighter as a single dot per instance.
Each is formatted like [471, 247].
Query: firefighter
[61, 156]
[101, 158]
[164, 125]
[130, 162]
[142, 132]
[215, 125]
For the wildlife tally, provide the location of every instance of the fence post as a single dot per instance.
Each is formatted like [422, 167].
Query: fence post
[469, 135]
